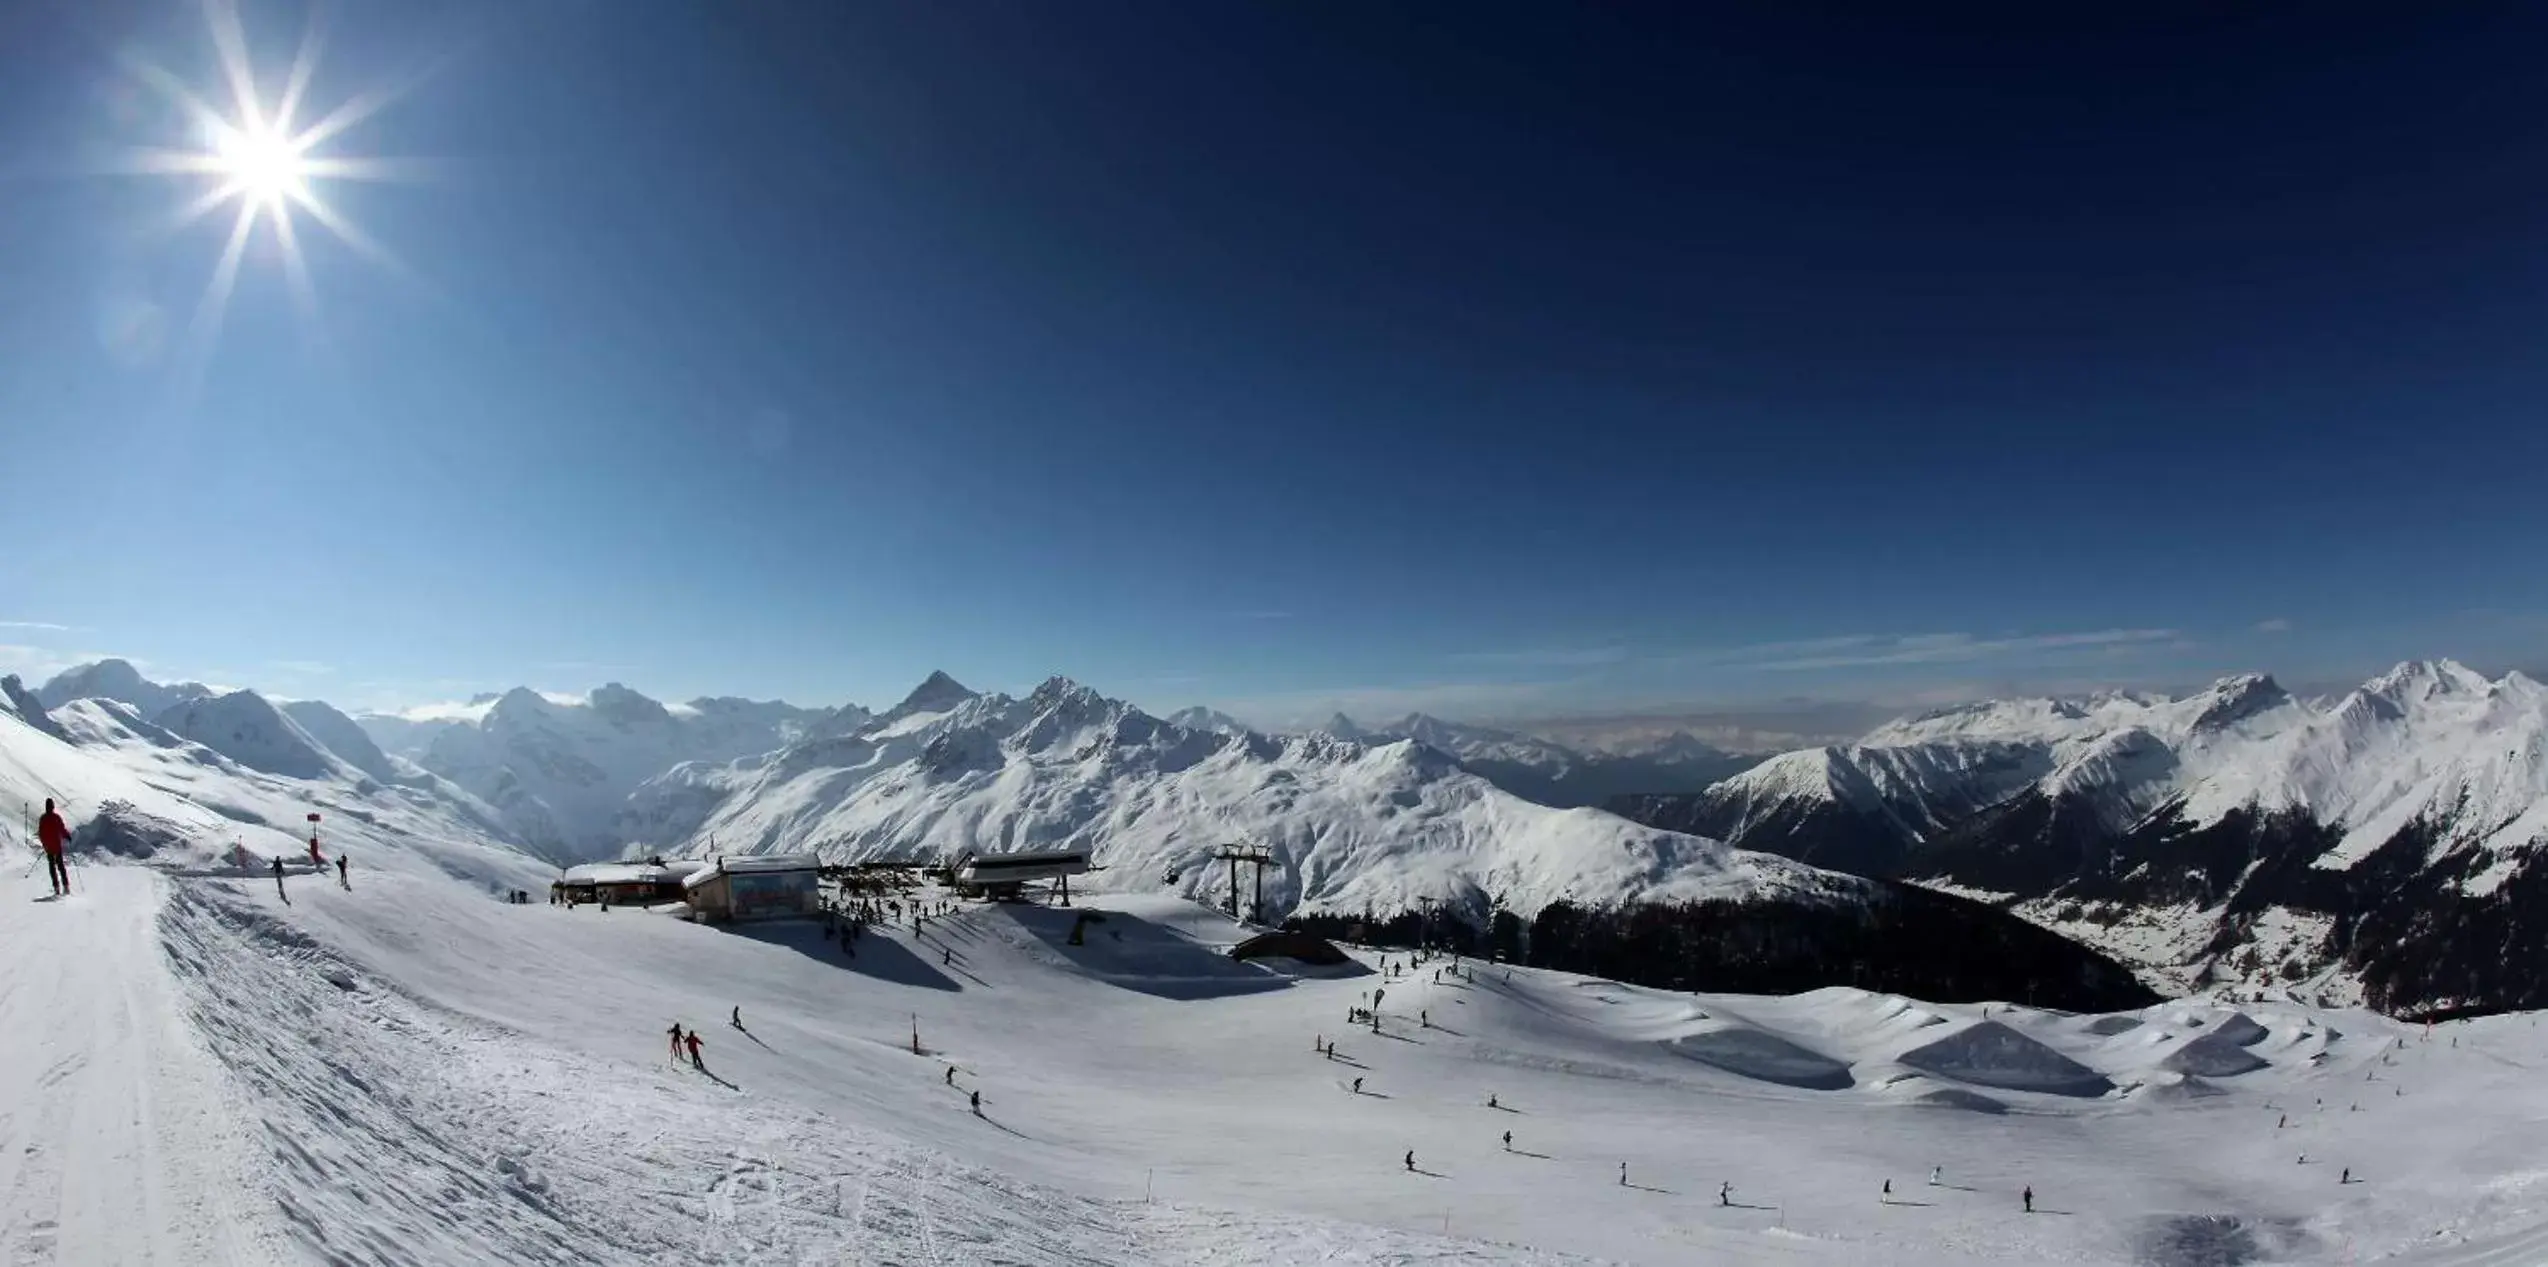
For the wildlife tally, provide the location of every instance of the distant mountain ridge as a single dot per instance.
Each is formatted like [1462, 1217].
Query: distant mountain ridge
[1553, 773]
[2234, 835]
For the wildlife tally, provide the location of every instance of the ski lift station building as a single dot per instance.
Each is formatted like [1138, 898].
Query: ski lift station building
[1004, 875]
[755, 886]
[625, 883]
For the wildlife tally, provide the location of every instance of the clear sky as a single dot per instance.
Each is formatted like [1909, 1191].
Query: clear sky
[1490, 359]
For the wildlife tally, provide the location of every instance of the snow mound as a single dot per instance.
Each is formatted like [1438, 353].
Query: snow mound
[2241, 1030]
[1122, 949]
[1764, 1057]
[2222, 1052]
[1961, 1099]
[2209, 1057]
[2109, 1026]
[1990, 1054]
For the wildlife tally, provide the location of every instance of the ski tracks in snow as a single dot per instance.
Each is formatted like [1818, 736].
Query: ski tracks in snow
[120, 1147]
[401, 1133]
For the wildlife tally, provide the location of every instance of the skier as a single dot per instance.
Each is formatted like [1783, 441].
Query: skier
[1936, 1174]
[946, 957]
[676, 1040]
[1888, 1190]
[691, 1040]
[52, 834]
[1357, 1086]
[737, 1022]
[341, 881]
[1411, 1159]
[1623, 1174]
[2346, 1177]
[2028, 1197]
[2282, 1121]
[278, 882]
[977, 1104]
[1490, 1101]
[1424, 1018]
[1508, 1141]
[1725, 1194]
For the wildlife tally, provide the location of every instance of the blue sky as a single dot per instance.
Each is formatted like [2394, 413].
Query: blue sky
[1494, 360]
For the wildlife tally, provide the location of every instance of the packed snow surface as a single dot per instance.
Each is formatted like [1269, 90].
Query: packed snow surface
[410, 1071]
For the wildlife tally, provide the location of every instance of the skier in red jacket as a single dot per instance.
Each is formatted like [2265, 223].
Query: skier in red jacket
[54, 834]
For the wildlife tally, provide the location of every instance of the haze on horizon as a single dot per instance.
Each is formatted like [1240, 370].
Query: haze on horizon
[1529, 366]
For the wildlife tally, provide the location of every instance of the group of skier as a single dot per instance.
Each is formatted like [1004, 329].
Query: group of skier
[53, 835]
[1453, 971]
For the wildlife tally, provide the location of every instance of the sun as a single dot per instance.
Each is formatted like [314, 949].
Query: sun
[253, 156]
[265, 165]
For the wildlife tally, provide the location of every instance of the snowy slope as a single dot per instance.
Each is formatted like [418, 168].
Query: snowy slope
[2178, 821]
[247, 728]
[342, 736]
[409, 1072]
[1386, 827]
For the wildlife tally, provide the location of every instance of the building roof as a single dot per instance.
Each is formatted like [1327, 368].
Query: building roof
[618, 873]
[1024, 856]
[734, 864]
[1017, 868]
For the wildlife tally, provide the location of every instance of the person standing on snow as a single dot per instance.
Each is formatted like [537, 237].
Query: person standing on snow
[1937, 1175]
[691, 1040]
[737, 1022]
[977, 1104]
[2028, 1197]
[676, 1040]
[1411, 1159]
[1508, 1141]
[1725, 1193]
[278, 882]
[52, 833]
[341, 881]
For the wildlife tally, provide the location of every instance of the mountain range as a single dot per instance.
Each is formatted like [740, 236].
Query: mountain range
[1358, 831]
[2377, 846]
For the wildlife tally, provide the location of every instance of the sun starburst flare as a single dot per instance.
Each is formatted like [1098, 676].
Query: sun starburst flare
[263, 164]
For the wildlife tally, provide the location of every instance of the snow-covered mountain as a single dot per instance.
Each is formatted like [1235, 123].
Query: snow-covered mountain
[2237, 832]
[1357, 830]
[247, 780]
[561, 772]
[1552, 773]
[119, 680]
[1211, 719]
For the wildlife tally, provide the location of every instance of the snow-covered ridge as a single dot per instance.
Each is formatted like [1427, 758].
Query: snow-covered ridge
[2432, 768]
[1386, 825]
